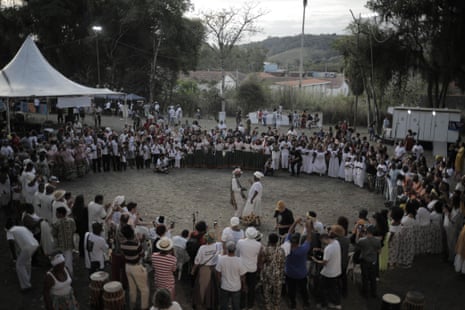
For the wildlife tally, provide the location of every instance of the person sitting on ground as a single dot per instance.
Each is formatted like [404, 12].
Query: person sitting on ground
[162, 164]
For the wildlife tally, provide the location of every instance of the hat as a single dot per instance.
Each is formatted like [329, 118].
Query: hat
[280, 205]
[235, 221]
[159, 220]
[164, 244]
[251, 233]
[119, 200]
[54, 179]
[59, 193]
[258, 175]
[57, 259]
[237, 171]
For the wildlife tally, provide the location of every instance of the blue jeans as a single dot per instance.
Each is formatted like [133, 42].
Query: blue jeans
[235, 299]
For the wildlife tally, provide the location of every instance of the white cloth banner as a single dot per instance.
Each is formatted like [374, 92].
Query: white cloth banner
[71, 102]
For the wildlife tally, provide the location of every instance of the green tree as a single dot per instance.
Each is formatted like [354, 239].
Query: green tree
[250, 96]
[227, 27]
[433, 31]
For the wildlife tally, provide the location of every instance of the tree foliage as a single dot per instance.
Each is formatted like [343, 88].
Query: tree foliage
[433, 32]
[251, 96]
[131, 29]
[228, 27]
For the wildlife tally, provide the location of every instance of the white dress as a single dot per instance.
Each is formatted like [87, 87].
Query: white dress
[255, 206]
[307, 157]
[342, 173]
[319, 165]
[333, 169]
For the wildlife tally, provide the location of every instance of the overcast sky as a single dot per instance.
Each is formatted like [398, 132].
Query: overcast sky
[285, 16]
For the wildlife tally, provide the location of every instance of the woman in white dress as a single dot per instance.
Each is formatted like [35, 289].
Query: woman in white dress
[333, 169]
[342, 173]
[254, 198]
[319, 165]
[284, 146]
[307, 157]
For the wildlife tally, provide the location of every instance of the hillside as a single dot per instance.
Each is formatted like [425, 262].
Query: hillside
[318, 51]
[319, 54]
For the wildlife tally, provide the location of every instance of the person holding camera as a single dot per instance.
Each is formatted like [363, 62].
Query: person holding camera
[370, 246]
[330, 273]
[295, 267]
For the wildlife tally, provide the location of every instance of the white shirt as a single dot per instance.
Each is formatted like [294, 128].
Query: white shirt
[408, 221]
[99, 249]
[248, 250]
[332, 254]
[208, 254]
[230, 234]
[22, 236]
[231, 269]
[179, 241]
[423, 217]
[96, 212]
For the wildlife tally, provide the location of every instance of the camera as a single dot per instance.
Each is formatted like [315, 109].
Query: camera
[318, 254]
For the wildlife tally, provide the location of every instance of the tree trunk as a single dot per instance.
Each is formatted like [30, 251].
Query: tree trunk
[355, 110]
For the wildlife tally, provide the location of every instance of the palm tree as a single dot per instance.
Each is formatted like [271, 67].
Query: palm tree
[301, 67]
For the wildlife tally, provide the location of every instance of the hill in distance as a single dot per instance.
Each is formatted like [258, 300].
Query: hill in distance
[318, 53]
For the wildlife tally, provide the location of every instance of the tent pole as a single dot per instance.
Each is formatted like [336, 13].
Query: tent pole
[8, 122]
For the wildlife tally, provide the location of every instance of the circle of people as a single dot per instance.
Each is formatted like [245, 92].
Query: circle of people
[423, 210]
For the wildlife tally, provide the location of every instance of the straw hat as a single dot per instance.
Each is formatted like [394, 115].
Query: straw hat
[59, 194]
[164, 244]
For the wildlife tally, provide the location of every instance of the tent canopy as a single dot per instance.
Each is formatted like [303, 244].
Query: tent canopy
[30, 75]
[130, 97]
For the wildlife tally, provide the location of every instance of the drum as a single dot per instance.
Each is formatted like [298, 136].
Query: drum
[390, 302]
[413, 301]
[113, 296]
[97, 281]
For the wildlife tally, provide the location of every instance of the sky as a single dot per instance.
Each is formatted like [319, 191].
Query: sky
[284, 17]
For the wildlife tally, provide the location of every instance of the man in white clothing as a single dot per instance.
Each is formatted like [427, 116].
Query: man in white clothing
[96, 248]
[232, 233]
[332, 269]
[249, 251]
[24, 243]
[96, 210]
[230, 273]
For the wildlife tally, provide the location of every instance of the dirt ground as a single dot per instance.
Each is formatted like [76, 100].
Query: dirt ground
[186, 191]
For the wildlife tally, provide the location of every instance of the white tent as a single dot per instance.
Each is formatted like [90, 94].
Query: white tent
[30, 75]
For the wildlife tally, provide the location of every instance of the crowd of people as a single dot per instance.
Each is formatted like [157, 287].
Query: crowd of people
[422, 215]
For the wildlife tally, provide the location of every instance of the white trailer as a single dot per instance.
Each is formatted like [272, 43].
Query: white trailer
[438, 126]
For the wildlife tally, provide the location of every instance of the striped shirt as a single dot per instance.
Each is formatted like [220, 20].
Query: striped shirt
[164, 265]
[132, 251]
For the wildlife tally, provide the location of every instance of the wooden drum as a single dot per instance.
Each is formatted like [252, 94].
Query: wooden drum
[413, 301]
[113, 296]
[97, 281]
[390, 302]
